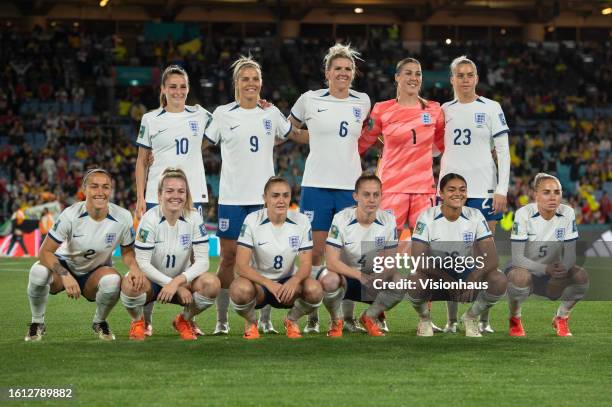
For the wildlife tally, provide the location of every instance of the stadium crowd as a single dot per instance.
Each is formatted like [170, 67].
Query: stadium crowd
[61, 110]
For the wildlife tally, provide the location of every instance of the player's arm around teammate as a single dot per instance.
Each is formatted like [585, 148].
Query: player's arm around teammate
[167, 236]
[458, 237]
[270, 241]
[358, 235]
[76, 256]
[544, 238]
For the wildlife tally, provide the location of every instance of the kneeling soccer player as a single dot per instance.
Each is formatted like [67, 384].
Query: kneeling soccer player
[544, 238]
[270, 240]
[76, 256]
[168, 234]
[357, 235]
[452, 231]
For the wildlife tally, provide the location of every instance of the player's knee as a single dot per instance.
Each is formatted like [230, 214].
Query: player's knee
[579, 275]
[242, 291]
[312, 291]
[497, 281]
[208, 285]
[519, 277]
[40, 275]
[110, 283]
[330, 282]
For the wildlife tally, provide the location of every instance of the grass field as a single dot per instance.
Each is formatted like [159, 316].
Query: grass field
[399, 369]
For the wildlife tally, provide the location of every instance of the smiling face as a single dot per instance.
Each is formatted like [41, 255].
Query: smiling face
[409, 79]
[277, 199]
[454, 193]
[97, 192]
[464, 80]
[548, 195]
[173, 195]
[368, 196]
[340, 74]
[248, 84]
[175, 89]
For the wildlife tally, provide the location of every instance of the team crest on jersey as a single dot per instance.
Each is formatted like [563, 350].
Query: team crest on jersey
[560, 233]
[109, 239]
[202, 229]
[268, 126]
[468, 237]
[357, 113]
[184, 240]
[420, 227]
[193, 126]
[502, 119]
[294, 242]
[379, 242]
[426, 118]
[142, 235]
[224, 224]
[309, 215]
[479, 118]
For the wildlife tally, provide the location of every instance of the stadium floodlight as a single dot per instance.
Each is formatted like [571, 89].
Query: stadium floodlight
[103, 3]
[358, 10]
[606, 11]
[448, 41]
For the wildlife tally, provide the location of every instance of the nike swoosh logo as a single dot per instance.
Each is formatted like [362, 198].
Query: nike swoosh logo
[233, 127]
[321, 110]
[434, 240]
[448, 121]
[78, 235]
[161, 131]
[531, 234]
[159, 241]
[261, 243]
[348, 243]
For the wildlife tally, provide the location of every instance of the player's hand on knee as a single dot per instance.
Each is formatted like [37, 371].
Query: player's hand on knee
[137, 279]
[166, 293]
[287, 291]
[556, 270]
[71, 286]
[184, 295]
[274, 288]
[466, 296]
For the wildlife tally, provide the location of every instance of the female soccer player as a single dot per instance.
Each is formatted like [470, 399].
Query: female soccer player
[167, 236]
[270, 241]
[246, 133]
[473, 124]
[544, 238]
[356, 236]
[76, 256]
[172, 135]
[334, 117]
[456, 247]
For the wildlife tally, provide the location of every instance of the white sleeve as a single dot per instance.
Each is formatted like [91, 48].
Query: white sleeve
[62, 228]
[335, 237]
[482, 229]
[421, 230]
[144, 136]
[498, 121]
[246, 237]
[283, 126]
[200, 264]
[519, 227]
[145, 243]
[520, 260]
[143, 258]
[572, 227]
[391, 233]
[569, 254]
[299, 108]
[214, 126]
[306, 238]
[502, 150]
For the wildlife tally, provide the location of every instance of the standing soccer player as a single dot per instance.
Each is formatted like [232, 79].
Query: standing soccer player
[270, 241]
[334, 117]
[247, 134]
[473, 124]
[76, 256]
[172, 134]
[168, 235]
[544, 238]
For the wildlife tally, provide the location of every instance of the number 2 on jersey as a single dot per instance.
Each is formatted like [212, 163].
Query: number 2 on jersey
[467, 133]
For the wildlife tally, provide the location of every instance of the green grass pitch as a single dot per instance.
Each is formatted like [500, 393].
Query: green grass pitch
[399, 369]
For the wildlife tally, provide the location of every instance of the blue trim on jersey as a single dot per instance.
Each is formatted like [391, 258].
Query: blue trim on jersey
[354, 221]
[162, 112]
[144, 248]
[163, 218]
[478, 99]
[181, 218]
[266, 220]
[128, 245]
[234, 108]
[295, 117]
[463, 216]
[536, 215]
[189, 111]
[333, 244]
[571, 240]
[501, 132]
[453, 102]
[379, 222]
[519, 240]
[484, 237]
[260, 106]
[290, 128]
[558, 215]
[51, 236]
[244, 244]
[351, 95]
[83, 215]
[200, 241]
[393, 246]
[209, 139]
[420, 240]
[305, 248]
[144, 146]
[441, 215]
[290, 221]
[111, 218]
[325, 94]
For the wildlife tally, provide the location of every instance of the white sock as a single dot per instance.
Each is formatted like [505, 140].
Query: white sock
[301, 308]
[38, 291]
[484, 317]
[570, 296]
[247, 311]
[484, 300]
[314, 315]
[348, 309]
[199, 304]
[223, 301]
[265, 314]
[420, 306]
[452, 308]
[107, 296]
[333, 302]
[148, 312]
[134, 305]
[385, 300]
[516, 297]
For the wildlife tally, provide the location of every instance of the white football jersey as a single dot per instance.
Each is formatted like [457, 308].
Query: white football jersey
[175, 140]
[275, 248]
[545, 237]
[361, 244]
[247, 139]
[171, 245]
[334, 126]
[468, 136]
[451, 238]
[87, 244]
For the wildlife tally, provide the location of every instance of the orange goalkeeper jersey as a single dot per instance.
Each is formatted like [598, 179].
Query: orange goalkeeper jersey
[411, 136]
